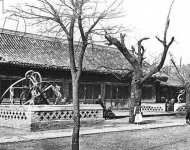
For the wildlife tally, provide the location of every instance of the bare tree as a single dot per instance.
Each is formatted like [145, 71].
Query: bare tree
[135, 56]
[76, 20]
[182, 72]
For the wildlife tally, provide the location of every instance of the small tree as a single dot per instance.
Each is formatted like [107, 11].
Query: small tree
[136, 59]
[182, 74]
[77, 20]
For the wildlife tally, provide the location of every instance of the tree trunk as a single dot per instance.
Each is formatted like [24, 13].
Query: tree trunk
[76, 116]
[136, 94]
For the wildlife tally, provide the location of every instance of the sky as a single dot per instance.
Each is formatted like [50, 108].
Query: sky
[142, 18]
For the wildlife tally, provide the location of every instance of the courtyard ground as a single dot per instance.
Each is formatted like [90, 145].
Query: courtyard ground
[168, 138]
[117, 134]
[93, 127]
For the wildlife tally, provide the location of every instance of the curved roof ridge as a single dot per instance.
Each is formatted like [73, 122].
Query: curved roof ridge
[29, 35]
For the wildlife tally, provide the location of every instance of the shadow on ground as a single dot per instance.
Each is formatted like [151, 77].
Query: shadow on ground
[148, 121]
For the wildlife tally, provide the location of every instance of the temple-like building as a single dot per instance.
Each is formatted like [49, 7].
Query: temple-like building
[106, 73]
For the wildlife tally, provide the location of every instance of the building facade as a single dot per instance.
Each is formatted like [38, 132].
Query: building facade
[106, 73]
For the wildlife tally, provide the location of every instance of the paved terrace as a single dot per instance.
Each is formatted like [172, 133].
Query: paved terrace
[95, 127]
[147, 114]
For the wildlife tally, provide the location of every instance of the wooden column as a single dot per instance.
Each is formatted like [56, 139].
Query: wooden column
[66, 89]
[154, 93]
[158, 93]
[103, 89]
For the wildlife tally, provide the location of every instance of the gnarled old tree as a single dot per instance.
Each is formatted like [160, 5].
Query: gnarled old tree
[183, 73]
[136, 57]
[75, 20]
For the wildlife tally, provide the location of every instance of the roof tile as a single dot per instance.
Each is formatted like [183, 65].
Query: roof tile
[33, 49]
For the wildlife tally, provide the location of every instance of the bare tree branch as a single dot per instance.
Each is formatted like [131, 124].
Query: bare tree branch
[141, 50]
[159, 39]
[83, 36]
[165, 47]
[122, 48]
[180, 76]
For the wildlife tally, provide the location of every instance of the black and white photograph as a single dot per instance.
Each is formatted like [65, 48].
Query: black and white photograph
[94, 75]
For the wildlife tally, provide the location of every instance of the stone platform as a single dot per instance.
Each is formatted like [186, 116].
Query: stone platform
[42, 117]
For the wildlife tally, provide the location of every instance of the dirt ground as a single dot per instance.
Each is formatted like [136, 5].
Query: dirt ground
[170, 138]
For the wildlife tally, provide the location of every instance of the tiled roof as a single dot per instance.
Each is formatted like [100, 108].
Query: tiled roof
[172, 82]
[24, 48]
[168, 79]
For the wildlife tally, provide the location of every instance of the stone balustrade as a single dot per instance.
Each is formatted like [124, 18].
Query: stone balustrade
[30, 117]
[180, 108]
[153, 107]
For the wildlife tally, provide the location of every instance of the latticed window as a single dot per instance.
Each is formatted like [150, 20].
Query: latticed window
[87, 91]
[117, 92]
[81, 91]
[96, 90]
[123, 92]
[147, 92]
[90, 91]
[108, 93]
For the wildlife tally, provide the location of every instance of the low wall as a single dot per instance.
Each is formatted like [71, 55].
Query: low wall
[180, 108]
[33, 117]
[15, 116]
[153, 107]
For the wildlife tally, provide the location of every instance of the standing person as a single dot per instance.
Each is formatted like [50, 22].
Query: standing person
[99, 101]
[166, 104]
[138, 115]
